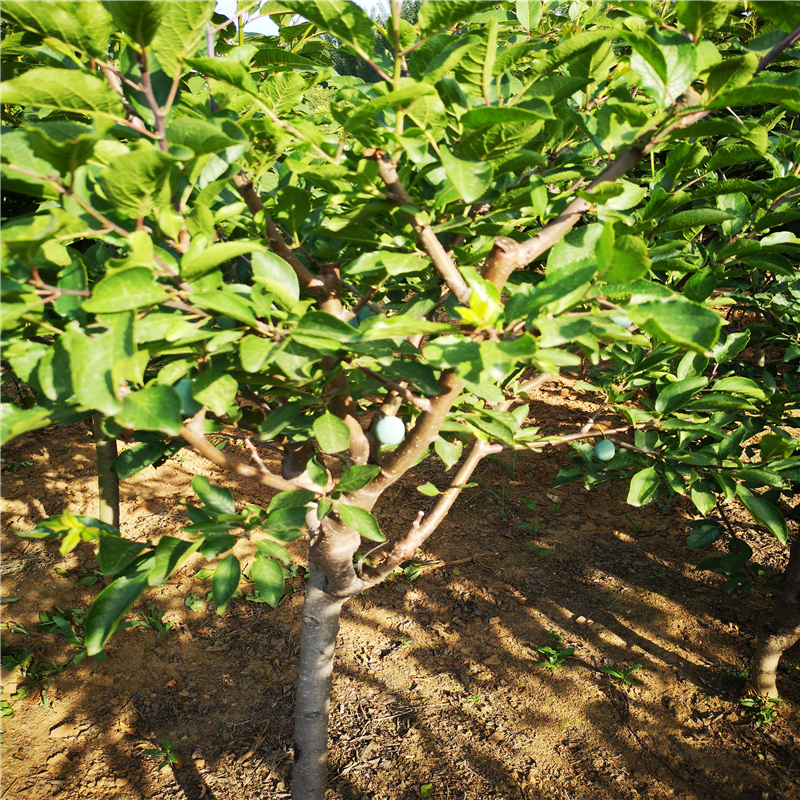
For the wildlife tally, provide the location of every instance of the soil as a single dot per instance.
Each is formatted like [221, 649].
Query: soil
[437, 691]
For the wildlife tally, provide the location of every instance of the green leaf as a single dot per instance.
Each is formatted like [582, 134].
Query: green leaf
[435, 16]
[528, 13]
[678, 394]
[346, 21]
[697, 15]
[644, 487]
[115, 553]
[182, 30]
[277, 277]
[357, 477]
[744, 386]
[84, 26]
[131, 181]
[200, 263]
[134, 459]
[703, 499]
[216, 389]
[271, 549]
[215, 498]
[471, 178]
[331, 433]
[226, 304]
[125, 291]
[169, 555]
[226, 580]
[267, 575]
[696, 218]
[111, 605]
[361, 521]
[65, 90]
[428, 489]
[279, 419]
[317, 472]
[400, 98]
[679, 322]
[449, 452]
[140, 20]
[764, 513]
[91, 359]
[154, 408]
[703, 533]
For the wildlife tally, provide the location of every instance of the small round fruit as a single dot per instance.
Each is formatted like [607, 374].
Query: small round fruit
[604, 450]
[390, 430]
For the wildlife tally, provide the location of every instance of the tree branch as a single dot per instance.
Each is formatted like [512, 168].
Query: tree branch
[782, 45]
[508, 255]
[420, 531]
[420, 402]
[193, 435]
[433, 247]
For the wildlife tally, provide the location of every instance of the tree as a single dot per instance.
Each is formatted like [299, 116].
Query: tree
[364, 276]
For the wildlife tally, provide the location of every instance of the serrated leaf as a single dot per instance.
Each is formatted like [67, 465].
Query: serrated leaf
[361, 521]
[216, 499]
[111, 605]
[169, 555]
[644, 487]
[331, 433]
[154, 408]
[357, 477]
[471, 178]
[66, 90]
[267, 574]
[226, 580]
[675, 395]
[274, 550]
[115, 553]
[764, 513]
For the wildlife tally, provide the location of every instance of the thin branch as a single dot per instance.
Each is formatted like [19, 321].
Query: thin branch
[782, 45]
[248, 193]
[158, 112]
[62, 189]
[113, 79]
[420, 531]
[420, 402]
[508, 255]
[433, 247]
[193, 435]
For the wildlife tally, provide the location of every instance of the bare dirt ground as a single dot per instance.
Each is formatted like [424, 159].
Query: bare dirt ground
[437, 692]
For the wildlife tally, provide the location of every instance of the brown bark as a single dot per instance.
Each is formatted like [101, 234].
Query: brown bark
[782, 632]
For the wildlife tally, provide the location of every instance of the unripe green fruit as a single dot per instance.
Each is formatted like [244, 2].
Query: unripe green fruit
[390, 430]
[604, 450]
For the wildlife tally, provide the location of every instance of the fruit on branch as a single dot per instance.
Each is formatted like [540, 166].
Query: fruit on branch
[604, 450]
[390, 430]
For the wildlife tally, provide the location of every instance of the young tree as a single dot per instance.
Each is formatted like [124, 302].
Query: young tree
[229, 236]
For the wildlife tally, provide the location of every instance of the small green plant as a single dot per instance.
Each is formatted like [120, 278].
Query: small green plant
[195, 603]
[554, 657]
[732, 674]
[86, 578]
[426, 790]
[154, 620]
[655, 575]
[554, 634]
[762, 710]
[637, 526]
[167, 754]
[475, 698]
[65, 623]
[14, 466]
[535, 548]
[622, 675]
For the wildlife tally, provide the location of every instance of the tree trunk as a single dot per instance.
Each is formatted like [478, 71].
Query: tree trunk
[782, 632]
[321, 612]
[107, 479]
